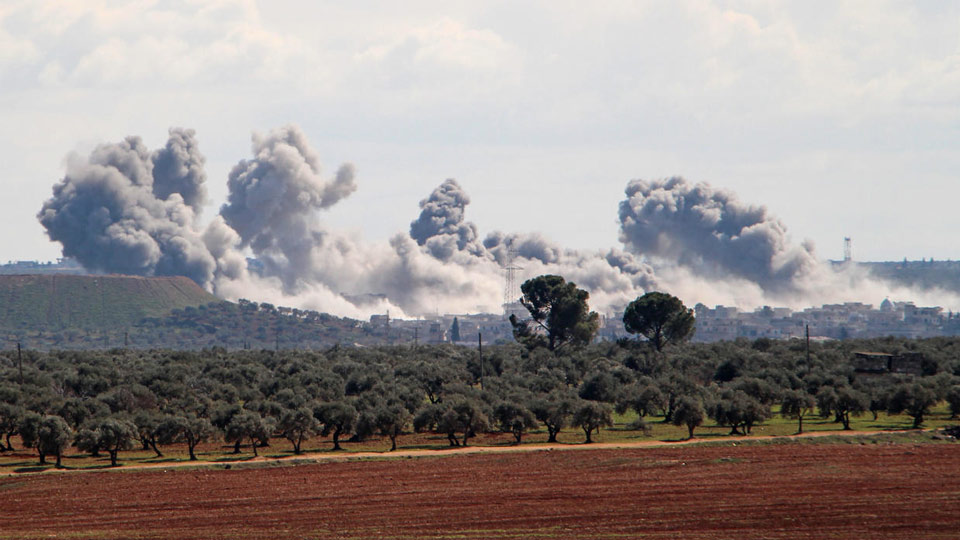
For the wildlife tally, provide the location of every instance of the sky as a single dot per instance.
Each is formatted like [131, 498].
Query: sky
[841, 117]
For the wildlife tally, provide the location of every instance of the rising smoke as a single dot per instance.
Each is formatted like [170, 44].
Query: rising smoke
[127, 209]
[116, 212]
[713, 234]
[441, 227]
[274, 202]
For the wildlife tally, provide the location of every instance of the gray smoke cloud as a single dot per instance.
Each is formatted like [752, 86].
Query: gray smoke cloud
[613, 277]
[274, 200]
[713, 233]
[504, 247]
[441, 227]
[126, 209]
[106, 215]
[178, 168]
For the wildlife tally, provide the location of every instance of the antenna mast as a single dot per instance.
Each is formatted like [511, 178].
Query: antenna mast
[511, 291]
[847, 249]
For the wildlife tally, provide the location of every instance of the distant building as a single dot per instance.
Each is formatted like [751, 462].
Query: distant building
[878, 363]
[833, 321]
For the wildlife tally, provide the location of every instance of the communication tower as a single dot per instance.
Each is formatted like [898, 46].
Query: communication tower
[511, 291]
[847, 249]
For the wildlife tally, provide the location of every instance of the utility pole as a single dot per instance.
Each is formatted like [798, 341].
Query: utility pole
[20, 362]
[480, 351]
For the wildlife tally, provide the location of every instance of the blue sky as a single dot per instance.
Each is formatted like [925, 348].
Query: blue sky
[841, 117]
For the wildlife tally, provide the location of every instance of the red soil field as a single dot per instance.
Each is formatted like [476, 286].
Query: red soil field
[875, 491]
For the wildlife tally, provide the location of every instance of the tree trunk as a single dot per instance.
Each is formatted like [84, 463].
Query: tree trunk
[690, 430]
[393, 442]
[153, 444]
[190, 447]
[453, 439]
[43, 457]
[517, 435]
[236, 447]
[799, 423]
[113, 458]
[845, 418]
[336, 439]
[588, 432]
[9, 444]
[917, 421]
[253, 443]
[59, 465]
[552, 434]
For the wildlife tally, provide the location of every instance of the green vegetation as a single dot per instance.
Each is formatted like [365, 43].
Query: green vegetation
[659, 317]
[559, 314]
[242, 325]
[545, 388]
[92, 302]
[161, 406]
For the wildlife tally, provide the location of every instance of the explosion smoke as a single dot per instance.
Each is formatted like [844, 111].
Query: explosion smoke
[441, 226]
[712, 233]
[107, 216]
[128, 210]
[274, 199]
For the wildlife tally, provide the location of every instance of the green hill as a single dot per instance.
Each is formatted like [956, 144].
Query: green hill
[92, 302]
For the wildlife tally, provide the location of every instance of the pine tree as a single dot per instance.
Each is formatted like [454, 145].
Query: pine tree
[455, 331]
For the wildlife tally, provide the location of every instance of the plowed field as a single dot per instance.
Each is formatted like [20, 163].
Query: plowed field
[876, 491]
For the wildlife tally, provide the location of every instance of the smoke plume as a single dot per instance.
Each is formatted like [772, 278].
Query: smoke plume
[126, 209]
[441, 226]
[178, 168]
[274, 200]
[713, 234]
[107, 216]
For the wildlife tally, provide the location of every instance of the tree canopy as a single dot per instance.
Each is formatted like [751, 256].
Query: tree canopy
[660, 317]
[559, 314]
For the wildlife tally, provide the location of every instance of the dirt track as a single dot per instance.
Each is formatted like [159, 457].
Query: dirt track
[402, 454]
[877, 491]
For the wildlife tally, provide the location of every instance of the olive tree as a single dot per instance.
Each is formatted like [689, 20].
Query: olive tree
[553, 413]
[247, 425]
[50, 435]
[514, 418]
[797, 404]
[842, 402]
[389, 420]
[914, 399]
[189, 429]
[10, 418]
[114, 435]
[296, 426]
[591, 416]
[688, 412]
[337, 418]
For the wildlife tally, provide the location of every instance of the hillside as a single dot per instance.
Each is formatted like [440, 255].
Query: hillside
[88, 312]
[92, 302]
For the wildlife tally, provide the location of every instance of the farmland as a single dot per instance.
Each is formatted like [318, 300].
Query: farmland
[872, 488]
